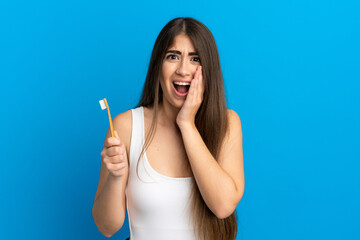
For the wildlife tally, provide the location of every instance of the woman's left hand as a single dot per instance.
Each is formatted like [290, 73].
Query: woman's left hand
[193, 100]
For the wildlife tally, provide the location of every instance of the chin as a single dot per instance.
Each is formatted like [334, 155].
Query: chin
[175, 103]
[178, 104]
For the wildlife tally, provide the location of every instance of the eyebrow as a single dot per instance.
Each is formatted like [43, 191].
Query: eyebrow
[179, 53]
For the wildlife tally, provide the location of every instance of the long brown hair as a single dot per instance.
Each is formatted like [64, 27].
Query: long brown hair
[211, 118]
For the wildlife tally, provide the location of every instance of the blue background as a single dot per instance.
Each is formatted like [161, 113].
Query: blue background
[291, 71]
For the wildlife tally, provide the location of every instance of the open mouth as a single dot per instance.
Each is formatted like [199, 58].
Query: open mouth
[181, 88]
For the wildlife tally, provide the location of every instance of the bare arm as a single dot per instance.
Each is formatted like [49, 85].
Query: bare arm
[221, 183]
[109, 208]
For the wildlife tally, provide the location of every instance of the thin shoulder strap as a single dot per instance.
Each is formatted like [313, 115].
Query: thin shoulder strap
[137, 134]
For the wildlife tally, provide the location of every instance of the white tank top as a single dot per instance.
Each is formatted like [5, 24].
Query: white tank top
[158, 206]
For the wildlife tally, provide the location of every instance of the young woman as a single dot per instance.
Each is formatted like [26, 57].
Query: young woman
[176, 164]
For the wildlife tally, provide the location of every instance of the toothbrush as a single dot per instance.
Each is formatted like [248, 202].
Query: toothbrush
[104, 105]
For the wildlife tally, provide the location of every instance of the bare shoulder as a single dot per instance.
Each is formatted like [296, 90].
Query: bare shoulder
[123, 124]
[232, 114]
[233, 136]
[123, 118]
[234, 121]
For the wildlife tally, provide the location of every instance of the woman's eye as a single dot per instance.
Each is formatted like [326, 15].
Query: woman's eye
[171, 57]
[196, 59]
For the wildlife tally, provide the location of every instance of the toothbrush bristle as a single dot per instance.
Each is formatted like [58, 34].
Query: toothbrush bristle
[102, 104]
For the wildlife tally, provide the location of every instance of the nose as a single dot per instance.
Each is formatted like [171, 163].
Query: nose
[183, 68]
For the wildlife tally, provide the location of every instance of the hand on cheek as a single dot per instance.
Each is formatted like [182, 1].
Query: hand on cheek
[193, 100]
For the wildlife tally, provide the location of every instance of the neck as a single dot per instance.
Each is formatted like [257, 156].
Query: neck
[167, 115]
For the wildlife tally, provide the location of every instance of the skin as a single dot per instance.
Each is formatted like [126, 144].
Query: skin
[175, 109]
[177, 149]
[167, 154]
[221, 182]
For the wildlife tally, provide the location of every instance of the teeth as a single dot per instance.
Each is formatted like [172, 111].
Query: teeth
[182, 83]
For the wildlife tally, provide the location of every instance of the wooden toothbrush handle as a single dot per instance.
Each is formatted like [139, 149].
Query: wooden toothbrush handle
[111, 125]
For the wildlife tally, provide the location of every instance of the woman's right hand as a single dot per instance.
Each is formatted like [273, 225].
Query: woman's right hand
[114, 156]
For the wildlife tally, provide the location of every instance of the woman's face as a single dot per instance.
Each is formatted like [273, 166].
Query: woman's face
[178, 68]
